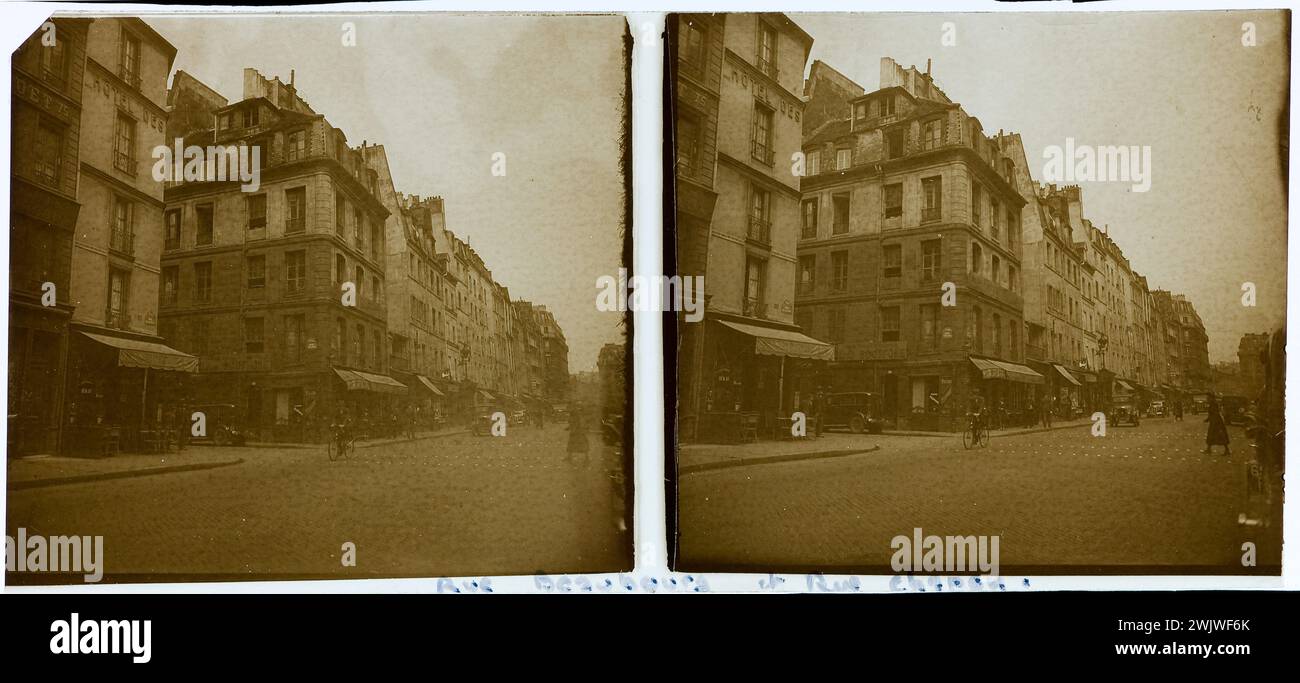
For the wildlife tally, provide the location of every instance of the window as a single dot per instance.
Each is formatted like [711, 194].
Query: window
[118, 290]
[377, 241]
[203, 281]
[124, 144]
[809, 228]
[996, 273]
[814, 162]
[295, 206]
[807, 273]
[932, 195]
[688, 143]
[340, 269]
[1013, 332]
[840, 270]
[297, 148]
[359, 345]
[254, 335]
[122, 234]
[932, 134]
[295, 271]
[755, 274]
[358, 278]
[1011, 277]
[760, 228]
[835, 324]
[340, 214]
[250, 116]
[171, 278]
[203, 231]
[887, 105]
[840, 211]
[894, 200]
[692, 51]
[200, 331]
[931, 260]
[129, 62]
[930, 326]
[977, 333]
[995, 214]
[376, 288]
[223, 121]
[256, 271]
[340, 338]
[376, 350]
[975, 201]
[54, 60]
[358, 219]
[255, 206]
[172, 230]
[293, 336]
[976, 258]
[761, 134]
[860, 110]
[893, 260]
[767, 49]
[894, 143]
[843, 159]
[47, 164]
[1013, 226]
[889, 323]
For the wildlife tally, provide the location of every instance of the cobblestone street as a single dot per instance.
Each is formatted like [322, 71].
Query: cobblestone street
[1062, 501]
[456, 505]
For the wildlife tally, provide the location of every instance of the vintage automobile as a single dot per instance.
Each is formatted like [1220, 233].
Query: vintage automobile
[1124, 410]
[1235, 409]
[1156, 409]
[221, 425]
[859, 411]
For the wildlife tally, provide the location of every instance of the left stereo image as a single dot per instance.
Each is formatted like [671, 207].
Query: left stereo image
[311, 296]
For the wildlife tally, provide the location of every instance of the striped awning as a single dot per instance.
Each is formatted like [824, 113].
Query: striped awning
[1124, 385]
[1013, 372]
[428, 384]
[132, 353]
[1066, 374]
[356, 380]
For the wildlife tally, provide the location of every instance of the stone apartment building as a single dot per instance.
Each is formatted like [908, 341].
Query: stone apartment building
[904, 194]
[738, 125]
[48, 72]
[254, 283]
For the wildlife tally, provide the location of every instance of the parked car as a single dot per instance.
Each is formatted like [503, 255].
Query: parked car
[1235, 409]
[1156, 409]
[859, 411]
[1124, 411]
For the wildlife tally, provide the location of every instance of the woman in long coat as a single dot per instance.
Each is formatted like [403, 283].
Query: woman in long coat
[1217, 432]
[577, 433]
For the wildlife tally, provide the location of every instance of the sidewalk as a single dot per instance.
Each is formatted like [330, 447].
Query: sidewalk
[363, 443]
[53, 470]
[1056, 424]
[707, 456]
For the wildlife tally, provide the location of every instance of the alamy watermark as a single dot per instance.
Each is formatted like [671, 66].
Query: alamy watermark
[35, 553]
[658, 293]
[918, 553]
[1105, 163]
[212, 163]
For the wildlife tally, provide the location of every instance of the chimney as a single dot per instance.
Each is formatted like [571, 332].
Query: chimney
[927, 67]
[290, 78]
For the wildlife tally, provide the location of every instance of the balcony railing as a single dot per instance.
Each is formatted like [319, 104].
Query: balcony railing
[760, 230]
[119, 320]
[292, 225]
[931, 213]
[125, 163]
[754, 308]
[762, 152]
[121, 242]
[769, 68]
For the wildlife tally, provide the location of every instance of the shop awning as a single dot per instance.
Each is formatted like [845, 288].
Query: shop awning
[774, 342]
[428, 384]
[141, 354]
[996, 369]
[1066, 374]
[1124, 385]
[369, 381]
[486, 397]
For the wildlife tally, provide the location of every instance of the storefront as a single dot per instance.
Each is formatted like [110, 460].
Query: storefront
[753, 375]
[125, 393]
[1009, 389]
[372, 399]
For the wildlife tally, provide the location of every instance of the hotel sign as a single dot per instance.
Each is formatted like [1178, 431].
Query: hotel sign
[27, 89]
[741, 73]
[129, 102]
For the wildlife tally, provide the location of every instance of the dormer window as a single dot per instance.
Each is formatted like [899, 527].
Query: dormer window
[250, 117]
[887, 105]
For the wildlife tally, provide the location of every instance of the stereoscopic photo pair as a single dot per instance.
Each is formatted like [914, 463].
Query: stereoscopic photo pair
[340, 306]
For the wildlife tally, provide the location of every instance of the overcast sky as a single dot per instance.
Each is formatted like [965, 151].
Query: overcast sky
[1182, 83]
[443, 93]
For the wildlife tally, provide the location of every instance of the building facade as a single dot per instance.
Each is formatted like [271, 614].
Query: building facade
[48, 73]
[908, 204]
[280, 291]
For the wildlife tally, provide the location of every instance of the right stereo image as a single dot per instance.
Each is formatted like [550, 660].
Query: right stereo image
[993, 294]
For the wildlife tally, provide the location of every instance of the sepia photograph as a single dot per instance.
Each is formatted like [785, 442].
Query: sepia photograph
[990, 294]
[302, 296]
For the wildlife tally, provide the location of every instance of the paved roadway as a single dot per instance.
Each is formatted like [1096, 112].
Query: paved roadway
[458, 505]
[1060, 501]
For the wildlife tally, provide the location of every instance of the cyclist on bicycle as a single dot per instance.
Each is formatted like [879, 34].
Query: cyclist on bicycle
[341, 427]
[977, 413]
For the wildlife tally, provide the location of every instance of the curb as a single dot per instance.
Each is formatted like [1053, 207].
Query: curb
[991, 432]
[388, 442]
[776, 459]
[121, 474]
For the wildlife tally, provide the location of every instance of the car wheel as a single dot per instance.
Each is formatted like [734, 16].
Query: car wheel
[856, 425]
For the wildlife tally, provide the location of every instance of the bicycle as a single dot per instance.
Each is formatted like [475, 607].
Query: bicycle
[341, 442]
[976, 434]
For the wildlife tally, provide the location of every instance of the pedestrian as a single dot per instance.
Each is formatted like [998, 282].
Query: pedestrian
[577, 434]
[1047, 412]
[818, 407]
[1216, 434]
